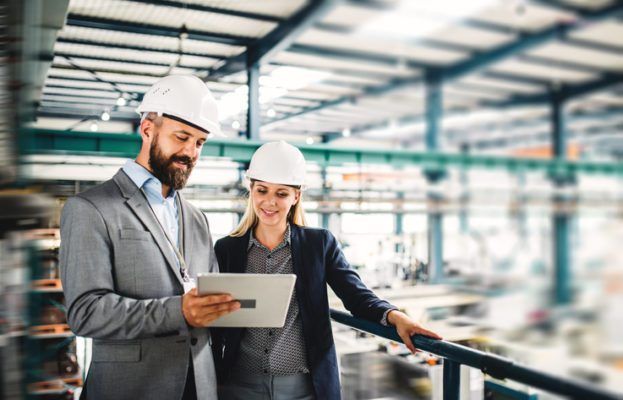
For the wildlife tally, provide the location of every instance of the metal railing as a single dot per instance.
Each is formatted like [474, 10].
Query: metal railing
[495, 366]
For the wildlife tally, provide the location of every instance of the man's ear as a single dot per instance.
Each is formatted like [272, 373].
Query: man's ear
[147, 129]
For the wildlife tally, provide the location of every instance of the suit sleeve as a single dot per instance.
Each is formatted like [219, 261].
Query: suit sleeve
[214, 264]
[93, 308]
[349, 287]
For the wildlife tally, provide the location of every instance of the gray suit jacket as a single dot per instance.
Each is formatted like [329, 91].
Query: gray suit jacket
[123, 289]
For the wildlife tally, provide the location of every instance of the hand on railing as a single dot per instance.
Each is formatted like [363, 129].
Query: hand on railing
[491, 364]
[406, 328]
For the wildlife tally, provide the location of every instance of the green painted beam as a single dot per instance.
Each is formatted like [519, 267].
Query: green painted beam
[42, 141]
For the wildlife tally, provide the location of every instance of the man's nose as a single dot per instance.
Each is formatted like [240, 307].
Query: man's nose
[190, 150]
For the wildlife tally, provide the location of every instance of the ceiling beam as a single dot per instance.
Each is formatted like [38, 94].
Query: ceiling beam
[277, 40]
[39, 141]
[565, 92]
[93, 43]
[209, 9]
[142, 61]
[84, 21]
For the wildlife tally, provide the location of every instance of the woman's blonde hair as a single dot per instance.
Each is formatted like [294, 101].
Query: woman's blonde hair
[249, 219]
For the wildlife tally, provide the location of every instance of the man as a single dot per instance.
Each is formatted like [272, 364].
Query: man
[130, 249]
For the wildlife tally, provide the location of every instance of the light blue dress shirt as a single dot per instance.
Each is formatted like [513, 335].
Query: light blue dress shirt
[165, 208]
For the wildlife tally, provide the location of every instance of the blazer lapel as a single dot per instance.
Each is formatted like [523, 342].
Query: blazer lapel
[187, 241]
[139, 205]
[297, 262]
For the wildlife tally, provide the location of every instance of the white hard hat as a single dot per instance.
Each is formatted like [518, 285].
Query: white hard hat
[278, 162]
[183, 97]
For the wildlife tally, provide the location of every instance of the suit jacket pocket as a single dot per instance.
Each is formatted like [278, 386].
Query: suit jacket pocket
[117, 352]
[134, 234]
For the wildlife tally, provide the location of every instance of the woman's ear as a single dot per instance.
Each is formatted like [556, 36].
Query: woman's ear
[297, 197]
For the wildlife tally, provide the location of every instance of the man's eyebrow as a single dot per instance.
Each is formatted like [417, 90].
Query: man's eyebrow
[185, 132]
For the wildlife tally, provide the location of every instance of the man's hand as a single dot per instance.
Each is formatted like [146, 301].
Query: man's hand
[201, 311]
[406, 328]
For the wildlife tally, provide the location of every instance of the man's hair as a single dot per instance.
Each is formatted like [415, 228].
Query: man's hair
[153, 117]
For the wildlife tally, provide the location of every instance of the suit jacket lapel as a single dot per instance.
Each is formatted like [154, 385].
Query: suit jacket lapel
[297, 262]
[186, 228]
[139, 205]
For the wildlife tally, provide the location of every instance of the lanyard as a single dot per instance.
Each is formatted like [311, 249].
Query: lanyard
[180, 230]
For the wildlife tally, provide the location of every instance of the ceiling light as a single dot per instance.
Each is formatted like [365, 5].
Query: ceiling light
[235, 124]
[93, 126]
[346, 132]
[183, 35]
[105, 116]
[416, 19]
[293, 78]
[309, 140]
[121, 101]
[233, 103]
[271, 113]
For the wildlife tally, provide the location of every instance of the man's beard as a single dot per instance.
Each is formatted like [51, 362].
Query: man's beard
[163, 168]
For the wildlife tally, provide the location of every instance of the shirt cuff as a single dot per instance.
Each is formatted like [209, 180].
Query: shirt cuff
[384, 320]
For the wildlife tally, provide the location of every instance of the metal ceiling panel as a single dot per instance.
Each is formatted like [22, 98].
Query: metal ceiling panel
[171, 17]
[121, 66]
[277, 8]
[523, 16]
[148, 41]
[359, 42]
[90, 93]
[551, 73]
[118, 54]
[581, 56]
[474, 38]
[589, 4]
[320, 62]
[501, 84]
[608, 33]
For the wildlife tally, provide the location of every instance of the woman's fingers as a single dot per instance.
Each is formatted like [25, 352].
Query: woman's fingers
[426, 332]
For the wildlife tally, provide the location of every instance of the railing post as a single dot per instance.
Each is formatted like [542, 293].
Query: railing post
[451, 379]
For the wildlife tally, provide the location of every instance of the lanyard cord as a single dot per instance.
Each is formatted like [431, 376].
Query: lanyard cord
[180, 228]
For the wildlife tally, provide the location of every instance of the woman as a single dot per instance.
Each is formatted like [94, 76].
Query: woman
[297, 361]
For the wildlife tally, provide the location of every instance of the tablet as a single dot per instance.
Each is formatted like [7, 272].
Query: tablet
[264, 298]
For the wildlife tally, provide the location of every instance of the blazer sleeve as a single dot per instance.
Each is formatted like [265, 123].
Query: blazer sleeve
[349, 287]
[214, 264]
[93, 308]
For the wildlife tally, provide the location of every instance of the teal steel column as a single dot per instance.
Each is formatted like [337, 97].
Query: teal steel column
[242, 170]
[325, 196]
[434, 111]
[253, 111]
[398, 221]
[520, 212]
[451, 379]
[464, 200]
[559, 138]
[562, 259]
[435, 249]
[561, 223]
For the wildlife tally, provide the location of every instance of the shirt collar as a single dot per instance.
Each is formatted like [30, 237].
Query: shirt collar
[142, 178]
[286, 240]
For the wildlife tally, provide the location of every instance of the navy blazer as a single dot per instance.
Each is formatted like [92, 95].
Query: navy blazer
[316, 260]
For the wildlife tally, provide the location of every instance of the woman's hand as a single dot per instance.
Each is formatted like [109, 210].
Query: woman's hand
[406, 328]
